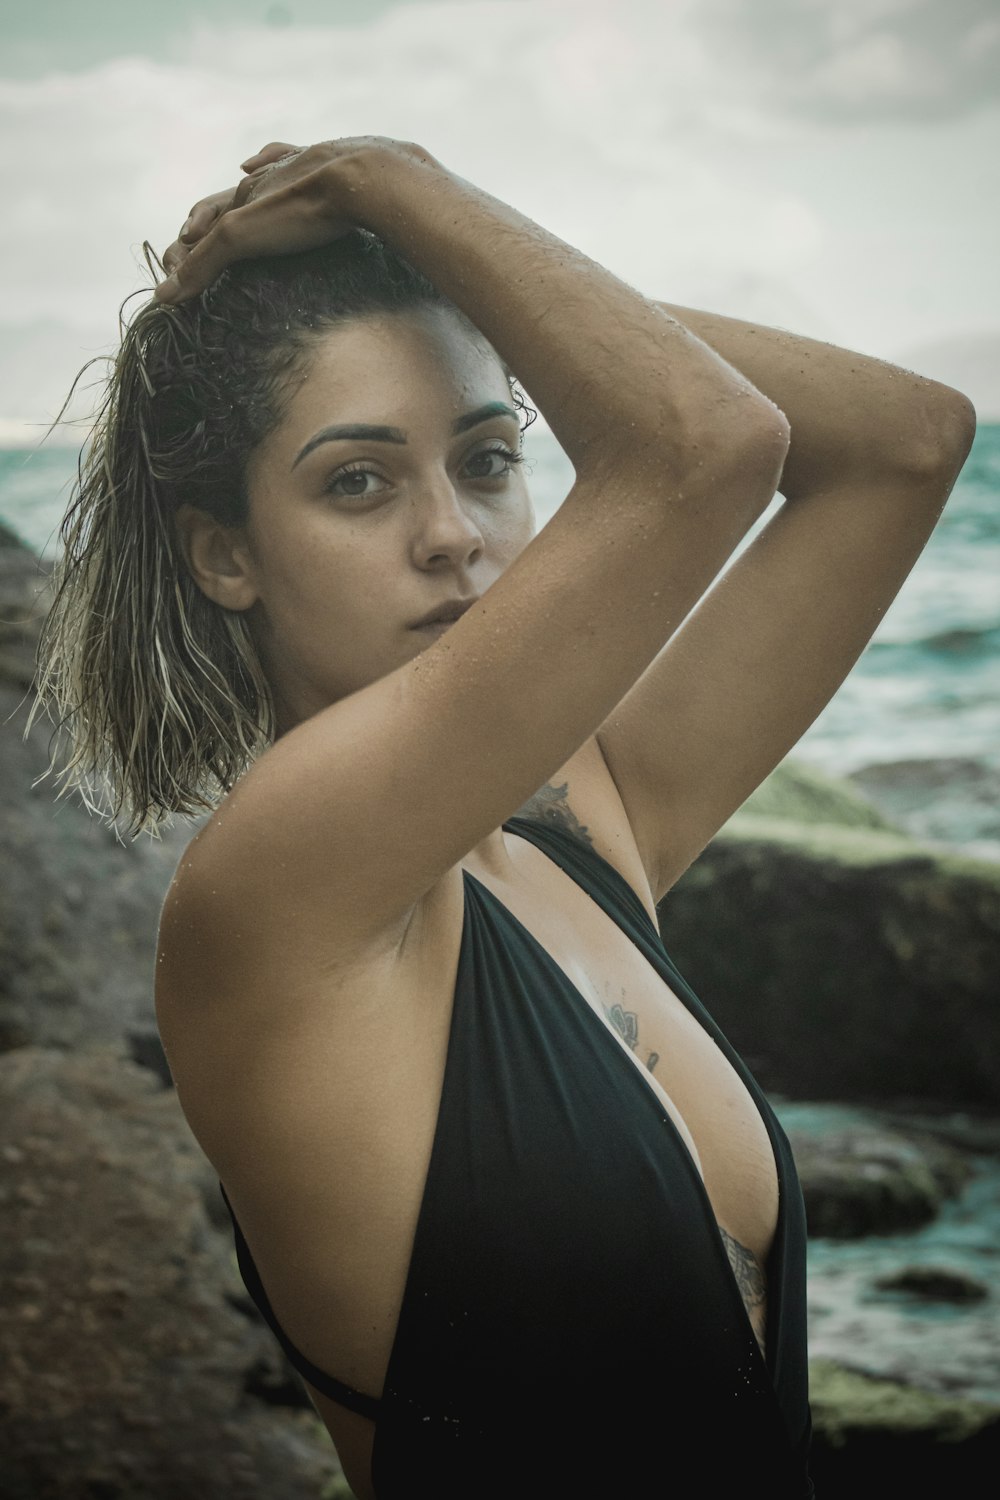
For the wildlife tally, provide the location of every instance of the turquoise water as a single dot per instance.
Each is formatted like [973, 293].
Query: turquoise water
[949, 1348]
[34, 491]
[928, 684]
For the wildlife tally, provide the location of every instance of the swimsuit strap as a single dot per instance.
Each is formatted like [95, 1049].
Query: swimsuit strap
[609, 888]
[582, 863]
[345, 1395]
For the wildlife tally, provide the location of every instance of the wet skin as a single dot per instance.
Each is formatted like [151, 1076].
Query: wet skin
[334, 567]
[349, 542]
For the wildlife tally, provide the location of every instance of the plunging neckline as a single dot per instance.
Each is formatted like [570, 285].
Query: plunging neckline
[645, 1082]
[697, 1011]
[646, 934]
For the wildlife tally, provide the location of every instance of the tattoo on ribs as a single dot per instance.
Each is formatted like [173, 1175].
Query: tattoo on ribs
[747, 1269]
[752, 1283]
[550, 804]
[625, 1022]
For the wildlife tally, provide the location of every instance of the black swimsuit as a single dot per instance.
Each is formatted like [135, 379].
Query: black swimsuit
[570, 1324]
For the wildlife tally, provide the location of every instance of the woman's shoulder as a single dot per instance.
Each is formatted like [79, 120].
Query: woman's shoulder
[224, 943]
[248, 1005]
[222, 940]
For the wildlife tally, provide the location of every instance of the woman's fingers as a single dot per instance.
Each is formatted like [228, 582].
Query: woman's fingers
[199, 221]
[173, 255]
[267, 154]
[287, 202]
[274, 224]
[193, 267]
[202, 217]
[206, 211]
[265, 169]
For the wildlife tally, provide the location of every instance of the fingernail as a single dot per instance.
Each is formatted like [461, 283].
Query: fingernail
[168, 290]
[185, 229]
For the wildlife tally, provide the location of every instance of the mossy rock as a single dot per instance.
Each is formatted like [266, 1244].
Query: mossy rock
[934, 1284]
[805, 794]
[843, 960]
[846, 1403]
[875, 1437]
[863, 1180]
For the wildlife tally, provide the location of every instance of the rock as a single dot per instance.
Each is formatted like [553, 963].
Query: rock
[951, 800]
[805, 794]
[24, 596]
[845, 962]
[146, 1049]
[128, 1371]
[971, 1131]
[78, 907]
[863, 1180]
[877, 1437]
[79, 964]
[934, 1284]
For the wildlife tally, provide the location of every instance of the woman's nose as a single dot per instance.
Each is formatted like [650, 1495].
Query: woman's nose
[445, 530]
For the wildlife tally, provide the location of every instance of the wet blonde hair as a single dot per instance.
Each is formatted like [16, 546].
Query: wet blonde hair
[158, 692]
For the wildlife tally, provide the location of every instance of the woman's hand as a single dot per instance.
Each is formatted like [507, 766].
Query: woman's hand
[205, 212]
[289, 200]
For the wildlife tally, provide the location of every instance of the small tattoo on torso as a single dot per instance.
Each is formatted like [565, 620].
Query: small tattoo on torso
[626, 1023]
[550, 804]
[751, 1279]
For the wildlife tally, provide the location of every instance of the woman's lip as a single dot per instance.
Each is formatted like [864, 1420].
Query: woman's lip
[446, 613]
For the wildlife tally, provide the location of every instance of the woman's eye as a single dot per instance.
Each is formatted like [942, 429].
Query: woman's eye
[493, 463]
[352, 483]
[359, 482]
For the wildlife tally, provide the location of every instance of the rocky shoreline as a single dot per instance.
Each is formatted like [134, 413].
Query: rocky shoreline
[845, 959]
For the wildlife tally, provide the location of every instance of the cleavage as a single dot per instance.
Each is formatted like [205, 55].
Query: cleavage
[690, 1076]
[613, 977]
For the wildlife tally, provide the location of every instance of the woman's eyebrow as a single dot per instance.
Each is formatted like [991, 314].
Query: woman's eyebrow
[365, 432]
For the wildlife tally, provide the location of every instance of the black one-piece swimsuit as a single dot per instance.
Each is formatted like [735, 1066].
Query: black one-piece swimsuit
[571, 1325]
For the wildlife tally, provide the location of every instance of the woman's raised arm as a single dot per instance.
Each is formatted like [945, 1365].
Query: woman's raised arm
[588, 347]
[365, 804]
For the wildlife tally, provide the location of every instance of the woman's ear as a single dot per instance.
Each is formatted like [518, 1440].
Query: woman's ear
[218, 558]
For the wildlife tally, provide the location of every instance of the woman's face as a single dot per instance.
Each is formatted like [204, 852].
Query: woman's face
[354, 535]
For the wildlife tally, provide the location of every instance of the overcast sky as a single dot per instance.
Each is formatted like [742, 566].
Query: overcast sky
[826, 165]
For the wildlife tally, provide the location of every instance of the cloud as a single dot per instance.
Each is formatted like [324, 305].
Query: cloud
[653, 135]
[584, 126]
[969, 362]
[859, 60]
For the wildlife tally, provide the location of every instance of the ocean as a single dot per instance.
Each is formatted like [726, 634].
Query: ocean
[926, 691]
[928, 683]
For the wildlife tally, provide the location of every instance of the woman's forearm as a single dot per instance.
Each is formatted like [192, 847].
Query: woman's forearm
[613, 372]
[849, 413]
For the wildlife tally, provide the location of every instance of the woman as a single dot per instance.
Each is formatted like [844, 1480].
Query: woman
[515, 1208]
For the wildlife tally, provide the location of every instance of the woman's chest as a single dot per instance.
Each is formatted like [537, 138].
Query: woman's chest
[510, 1073]
[598, 966]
